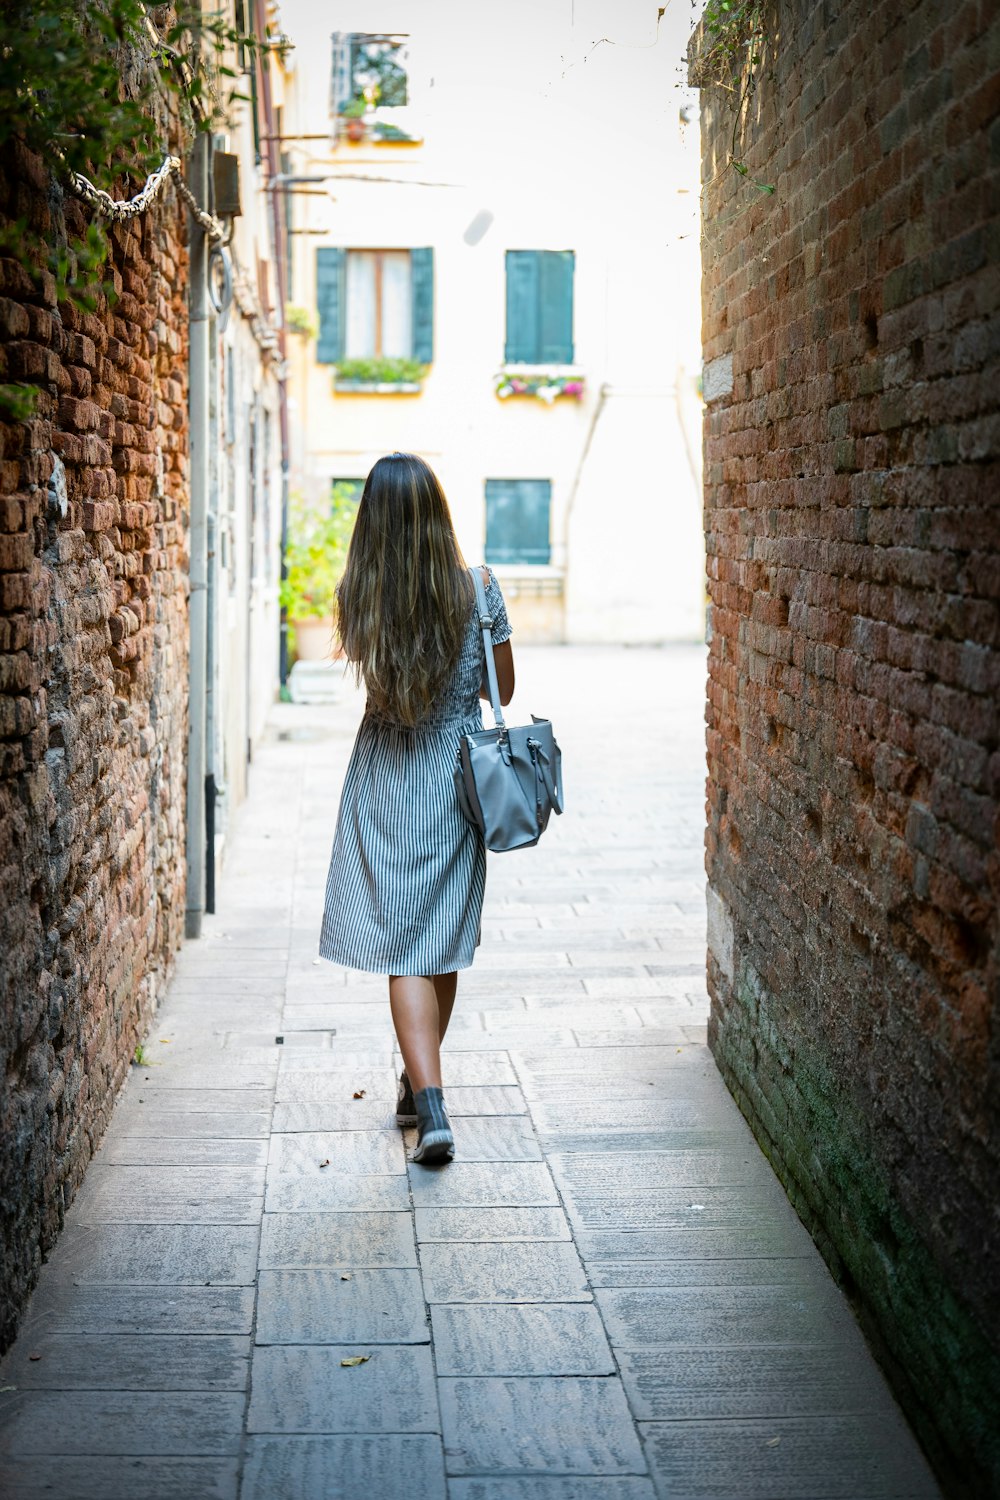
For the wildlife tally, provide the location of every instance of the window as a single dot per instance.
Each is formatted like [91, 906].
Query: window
[539, 307]
[517, 520]
[368, 65]
[375, 304]
[379, 304]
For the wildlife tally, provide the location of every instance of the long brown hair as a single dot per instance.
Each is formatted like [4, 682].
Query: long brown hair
[405, 597]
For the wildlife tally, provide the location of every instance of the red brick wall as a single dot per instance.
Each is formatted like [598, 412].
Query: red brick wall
[93, 661]
[852, 461]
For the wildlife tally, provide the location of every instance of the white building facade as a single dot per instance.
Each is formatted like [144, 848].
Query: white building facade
[494, 233]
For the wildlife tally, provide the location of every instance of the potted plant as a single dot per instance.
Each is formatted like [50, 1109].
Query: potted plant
[315, 558]
[353, 114]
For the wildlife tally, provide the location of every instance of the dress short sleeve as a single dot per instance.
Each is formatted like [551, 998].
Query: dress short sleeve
[494, 599]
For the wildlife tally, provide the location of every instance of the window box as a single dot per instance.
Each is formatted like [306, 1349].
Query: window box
[545, 385]
[379, 377]
[377, 388]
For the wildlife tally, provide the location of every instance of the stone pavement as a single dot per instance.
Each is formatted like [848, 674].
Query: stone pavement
[605, 1297]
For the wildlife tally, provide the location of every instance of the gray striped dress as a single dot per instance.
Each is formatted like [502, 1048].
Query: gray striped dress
[404, 893]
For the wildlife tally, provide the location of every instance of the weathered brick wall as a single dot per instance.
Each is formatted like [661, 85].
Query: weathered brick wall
[93, 660]
[852, 447]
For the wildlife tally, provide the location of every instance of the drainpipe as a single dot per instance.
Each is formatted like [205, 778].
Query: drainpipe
[280, 242]
[198, 391]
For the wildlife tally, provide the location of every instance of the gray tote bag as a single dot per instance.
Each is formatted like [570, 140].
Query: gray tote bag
[509, 780]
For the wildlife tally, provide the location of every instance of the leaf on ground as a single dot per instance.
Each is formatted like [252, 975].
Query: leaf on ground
[325, 1163]
[359, 1093]
[356, 1359]
[165, 1041]
[772, 1442]
[34, 1357]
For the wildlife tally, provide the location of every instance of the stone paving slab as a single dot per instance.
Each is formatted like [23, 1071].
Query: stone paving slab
[530, 1271]
[252, 1078]
[443, 1225]
[480, 1185]
[325, 1307]
[397, 1467]
[699, 1209]
[484, 1100]
[335, 1190]
[758, 1315]
[128, 1253]
[552, 1487]
[148, 1121]
[493, 1138]
[59, 1306]
[374, 1153]
[116, 1423]
[170, 1195]
[592, 1173]
[721, 1272]
[181, 1151]
[148, 1097]
[538, 1425]
[322, 1114]
[858, 1457]
[297, 1388]
[337, 1241]
[525, 1338]
[794, 1380]
[145, 1478]
[128, 1362]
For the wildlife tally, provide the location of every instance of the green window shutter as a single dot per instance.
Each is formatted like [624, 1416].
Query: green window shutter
[331, 282]
[422, 262]
[522, 307]
[555, 344]
[517, 520]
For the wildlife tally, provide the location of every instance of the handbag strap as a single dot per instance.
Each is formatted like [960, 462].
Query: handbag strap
[486, 624]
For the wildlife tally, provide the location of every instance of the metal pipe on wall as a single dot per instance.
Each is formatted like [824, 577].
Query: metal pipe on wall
[270, 140]
[198, 394]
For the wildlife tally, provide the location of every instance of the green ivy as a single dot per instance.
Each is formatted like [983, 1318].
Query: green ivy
[86, 88]
[734, 37]
[316, 553]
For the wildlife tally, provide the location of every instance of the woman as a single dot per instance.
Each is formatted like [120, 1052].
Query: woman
[405, 890]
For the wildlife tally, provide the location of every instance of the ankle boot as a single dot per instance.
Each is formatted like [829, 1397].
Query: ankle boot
[435, 1141]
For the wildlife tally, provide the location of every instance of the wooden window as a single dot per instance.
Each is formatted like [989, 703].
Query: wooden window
[375, 303]
[539, 307]
[517, 520]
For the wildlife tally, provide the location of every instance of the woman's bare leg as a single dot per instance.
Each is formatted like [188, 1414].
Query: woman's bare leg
[445, 986]
[421, 1008]
[415, 1015]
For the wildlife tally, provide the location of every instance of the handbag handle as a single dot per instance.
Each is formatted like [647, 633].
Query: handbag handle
[486, 623]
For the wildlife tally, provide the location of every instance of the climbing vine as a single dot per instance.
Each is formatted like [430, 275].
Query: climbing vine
[730, 56]
[87, 88]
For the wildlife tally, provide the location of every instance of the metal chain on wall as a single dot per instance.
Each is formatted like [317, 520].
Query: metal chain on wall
[121, 210]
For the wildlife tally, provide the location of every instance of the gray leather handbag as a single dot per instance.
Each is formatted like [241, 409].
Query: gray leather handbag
[509, 780]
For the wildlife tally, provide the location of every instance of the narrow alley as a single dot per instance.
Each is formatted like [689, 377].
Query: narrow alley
[606, 1295]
